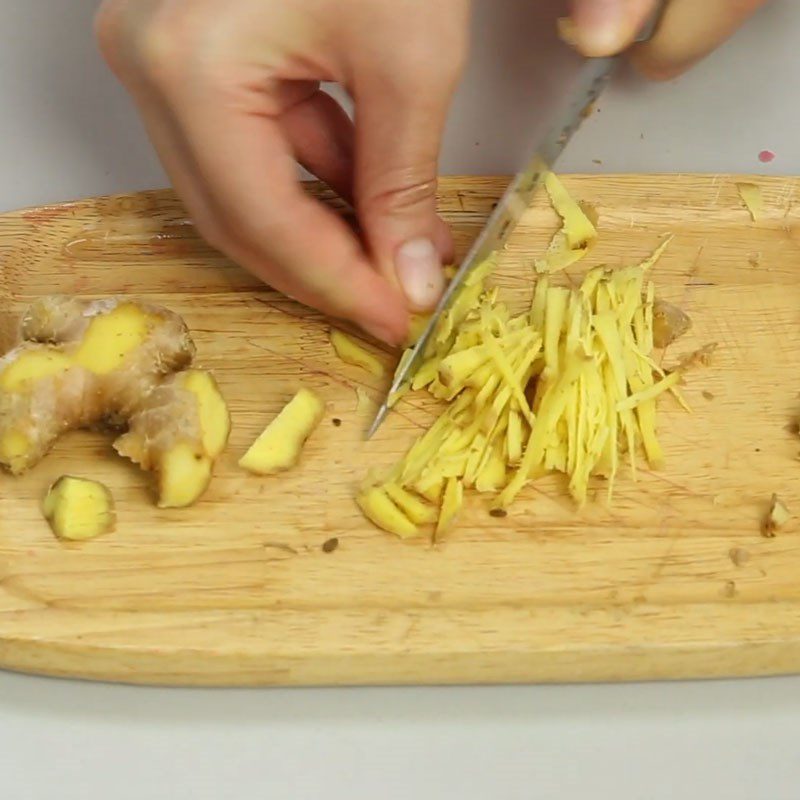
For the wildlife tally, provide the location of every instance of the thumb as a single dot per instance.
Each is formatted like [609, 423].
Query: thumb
[399, 125]
[606, 27]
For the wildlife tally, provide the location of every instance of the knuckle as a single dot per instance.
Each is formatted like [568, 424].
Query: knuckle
[161, 52]
[403, 192]
[150, 45]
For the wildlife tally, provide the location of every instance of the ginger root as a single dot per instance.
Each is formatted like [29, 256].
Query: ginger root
[278, 448]
[79, 509]
[82, 364]
[113, 363]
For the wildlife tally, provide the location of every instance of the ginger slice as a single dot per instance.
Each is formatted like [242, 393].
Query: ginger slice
[351, 352]
[279, 447]
[416, 510]
[379, 508]
[579, 230]
[78, 509]
[574, 239]
[451, 505]
[753, 200]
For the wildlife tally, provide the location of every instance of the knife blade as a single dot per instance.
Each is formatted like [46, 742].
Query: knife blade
[592, 79]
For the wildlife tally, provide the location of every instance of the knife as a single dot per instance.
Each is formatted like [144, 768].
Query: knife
[593, 77]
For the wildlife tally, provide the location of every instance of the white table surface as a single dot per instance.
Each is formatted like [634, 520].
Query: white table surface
[66, 130]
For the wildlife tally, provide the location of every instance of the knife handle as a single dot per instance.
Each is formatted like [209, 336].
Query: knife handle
[651, 27]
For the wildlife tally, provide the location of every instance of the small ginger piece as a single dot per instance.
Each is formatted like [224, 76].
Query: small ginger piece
[579, 230]
[650, 393]
[351, 352]
[456, 370]
[416, 510]
[753, 200]
[452, 501]
[655, 256]
[78, 509]
[278, 448]
[380, 509]
[364, 401]
[669, 323]
[577, 234]
[777, 518]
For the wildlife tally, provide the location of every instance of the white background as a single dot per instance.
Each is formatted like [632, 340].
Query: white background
[66, 130]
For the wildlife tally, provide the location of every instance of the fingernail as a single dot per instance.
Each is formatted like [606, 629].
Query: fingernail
[419, 270]
[601, 26]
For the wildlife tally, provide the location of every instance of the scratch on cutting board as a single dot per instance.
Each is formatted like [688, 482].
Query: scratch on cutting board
[787, 197]
[716, 182]
[663, 562]
[693, 273]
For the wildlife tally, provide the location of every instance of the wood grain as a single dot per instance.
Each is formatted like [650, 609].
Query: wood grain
[672, 581]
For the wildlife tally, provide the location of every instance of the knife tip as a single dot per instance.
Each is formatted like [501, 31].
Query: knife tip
[377, 422]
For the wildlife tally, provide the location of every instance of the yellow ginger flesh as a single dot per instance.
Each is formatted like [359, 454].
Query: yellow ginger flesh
[278, 448]
[79, 509]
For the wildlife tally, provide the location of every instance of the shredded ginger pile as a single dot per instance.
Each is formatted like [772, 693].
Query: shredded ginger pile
[570, 386]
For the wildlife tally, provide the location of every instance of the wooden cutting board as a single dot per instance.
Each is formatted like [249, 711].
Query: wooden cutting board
[280, 580]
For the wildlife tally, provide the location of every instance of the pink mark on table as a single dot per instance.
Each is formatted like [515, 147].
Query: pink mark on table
[766, 156]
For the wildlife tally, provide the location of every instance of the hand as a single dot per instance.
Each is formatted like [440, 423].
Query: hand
[690, 30]
[230, 96]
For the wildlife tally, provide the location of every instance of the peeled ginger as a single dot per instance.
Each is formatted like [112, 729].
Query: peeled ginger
[79, 509]
[278, 448]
